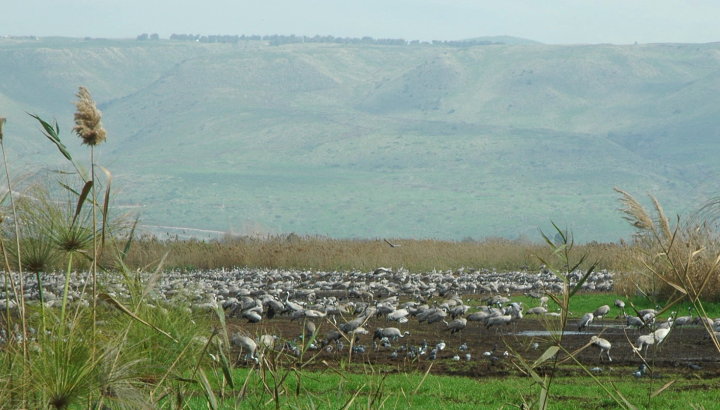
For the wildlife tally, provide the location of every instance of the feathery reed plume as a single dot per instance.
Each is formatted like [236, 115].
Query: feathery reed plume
[662, 220]
[88, 123]
[634, 212]
[2, 122]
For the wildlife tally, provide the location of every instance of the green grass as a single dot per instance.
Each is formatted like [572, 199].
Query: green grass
[588, 302]
[327, 390]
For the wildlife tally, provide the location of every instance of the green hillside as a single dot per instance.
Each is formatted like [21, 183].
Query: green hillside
[358, 140]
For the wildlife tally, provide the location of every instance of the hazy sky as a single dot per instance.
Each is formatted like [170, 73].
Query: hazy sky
[548, 21]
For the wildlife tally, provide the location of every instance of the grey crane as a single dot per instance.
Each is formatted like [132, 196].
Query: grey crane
[619, 303]
[246, 344]
[267, 341]
[498, 320]
[398, 315]
[456, 325]
[585, 321]
[479, 316]
[389, 332]
[600, 312]
[538, 310]
[309, 329]
[350, 326]
[634, 321]
[252, 315]
[654, 338]
[603, 344]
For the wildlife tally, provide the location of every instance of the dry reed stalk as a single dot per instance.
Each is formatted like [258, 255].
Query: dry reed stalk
[634, 212]
[88, 126]
[662, 220]
[21, 302]
[88, 119]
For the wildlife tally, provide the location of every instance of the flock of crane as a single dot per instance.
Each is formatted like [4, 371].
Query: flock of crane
[348, 321]
[354, 304]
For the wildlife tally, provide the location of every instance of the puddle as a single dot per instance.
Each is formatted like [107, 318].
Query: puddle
[545, 333]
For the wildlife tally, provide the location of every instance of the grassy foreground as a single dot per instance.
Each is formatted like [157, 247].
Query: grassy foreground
[332, 390]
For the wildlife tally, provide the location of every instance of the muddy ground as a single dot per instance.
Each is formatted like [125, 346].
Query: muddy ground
[686, 351]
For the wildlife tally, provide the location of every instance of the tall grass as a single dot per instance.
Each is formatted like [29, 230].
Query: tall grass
[94, 349]
[676, 256]
[328, 254]
[681, 260]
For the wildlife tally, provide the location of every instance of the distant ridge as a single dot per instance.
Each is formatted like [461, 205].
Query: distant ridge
[378, 141]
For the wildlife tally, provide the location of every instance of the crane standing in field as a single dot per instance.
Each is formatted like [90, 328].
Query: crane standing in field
[246, 344]
[603, 344]
[585, 321]
[600, 312]
[621, 305]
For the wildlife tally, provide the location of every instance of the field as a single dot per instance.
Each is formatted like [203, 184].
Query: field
[493, 377]
[685, 347]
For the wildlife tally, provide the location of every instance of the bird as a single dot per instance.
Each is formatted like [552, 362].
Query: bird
[252, 316]
[398, 315]
[620, 304]
[498, 320]
[585, 321]
[634, 321]
[389, 332]
[348, 327]
[603, 344]
[291, 306]
[392, 245]
[600, 312]
[309, 329]
[456, 325]
[654, 338]
[538, 310]
[267, 341]
[640, 372]
[644, 341]
[246, 344]
[684, 320]
[478, 316]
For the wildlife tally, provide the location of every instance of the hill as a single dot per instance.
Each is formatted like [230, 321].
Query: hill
[358, 140]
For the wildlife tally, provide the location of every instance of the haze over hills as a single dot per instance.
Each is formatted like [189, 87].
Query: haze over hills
[363, 140]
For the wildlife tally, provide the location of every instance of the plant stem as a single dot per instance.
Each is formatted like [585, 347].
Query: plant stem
[95, 248]
[42, 299]
[66, 290]
[21, 302]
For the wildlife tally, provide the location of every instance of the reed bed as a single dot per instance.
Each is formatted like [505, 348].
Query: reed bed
[674, 257]
[328, 254]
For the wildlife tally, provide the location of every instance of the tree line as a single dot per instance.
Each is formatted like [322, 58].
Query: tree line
[278, 39]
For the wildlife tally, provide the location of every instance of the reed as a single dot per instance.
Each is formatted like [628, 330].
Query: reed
[116, 352]
[328, 254]
[673, 257]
